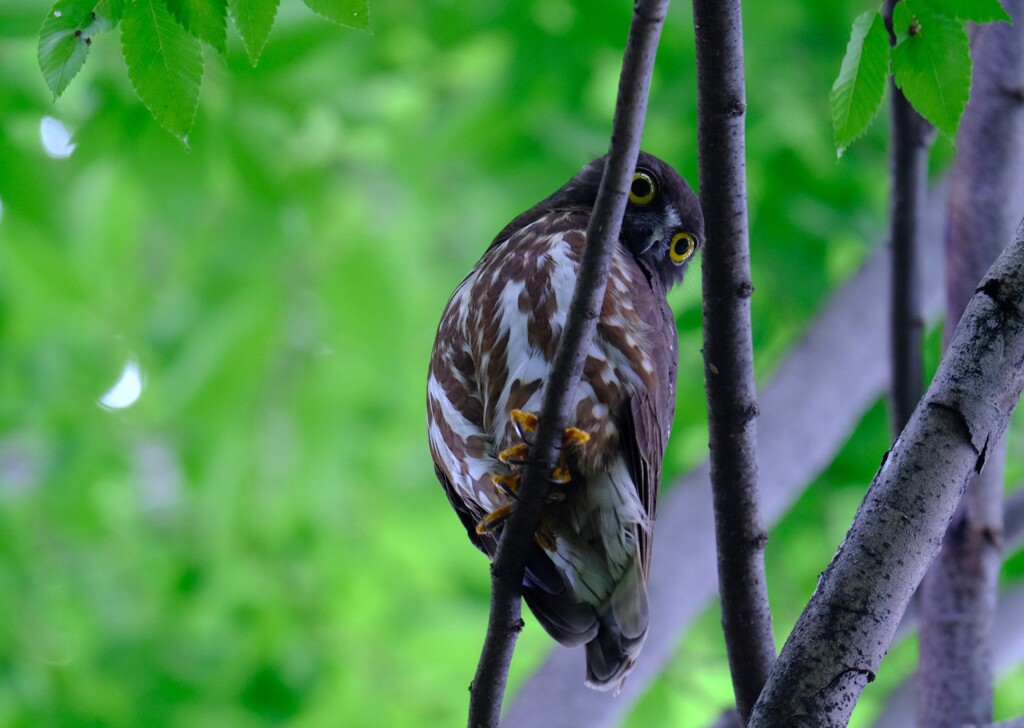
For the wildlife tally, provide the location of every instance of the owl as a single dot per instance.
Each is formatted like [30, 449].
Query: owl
[586, 574]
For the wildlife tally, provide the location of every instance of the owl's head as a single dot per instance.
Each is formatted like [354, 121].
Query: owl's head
[663, 225]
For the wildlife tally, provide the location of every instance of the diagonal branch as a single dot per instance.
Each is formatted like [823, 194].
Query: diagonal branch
[505, 621]
[841, 637]
[958, 596]
[728, 349]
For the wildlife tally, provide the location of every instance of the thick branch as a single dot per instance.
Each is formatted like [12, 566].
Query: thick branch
[910, 140]
[728, 351]
[487, 690]
[842, 635]
[809, 406]
[958, 596]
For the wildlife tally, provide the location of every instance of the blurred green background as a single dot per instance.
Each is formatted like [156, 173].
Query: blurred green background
[258, 538]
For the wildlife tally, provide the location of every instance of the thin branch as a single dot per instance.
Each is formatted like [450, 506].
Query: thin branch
[728, 350]
[809, 407]
[505, 621]
[840, 639]
[910, 140]
[958, 595]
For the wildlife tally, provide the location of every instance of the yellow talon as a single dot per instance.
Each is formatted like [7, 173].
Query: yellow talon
[561, 474]
[507, 483]
[514, 453]
[575, 436]
[494, 519]
[525, 420]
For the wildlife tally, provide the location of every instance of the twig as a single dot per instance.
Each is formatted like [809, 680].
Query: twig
[910, 140]
[504, 623]
[958, 595]
[840, 639]
[809, 407]
[728, 350]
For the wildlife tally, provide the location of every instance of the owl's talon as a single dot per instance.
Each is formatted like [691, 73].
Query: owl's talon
[524, 422]
[494, 519]
[561, 475]
[575, 436]
[507, 484]
[515, 455]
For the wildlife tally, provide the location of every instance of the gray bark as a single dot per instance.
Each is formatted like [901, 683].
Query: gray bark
[958, 595]
[728, 349]
[841, 637]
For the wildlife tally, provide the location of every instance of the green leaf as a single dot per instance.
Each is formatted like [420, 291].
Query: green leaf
[205, 19]
[350, 13]
[112, 10]
[253, 18]
[931, 64]
[857, 92]
[165, 64]
[66, 35]
[976, 11]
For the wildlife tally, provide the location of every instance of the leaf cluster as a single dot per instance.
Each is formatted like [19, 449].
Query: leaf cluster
[162, 43]
[926, 50]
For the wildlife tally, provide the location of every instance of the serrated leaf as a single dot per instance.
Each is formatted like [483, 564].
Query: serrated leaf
[931, 64]
[205, 19]
[976, 11]
[65, 37]
[112, 10]
[350, 13]
[165, 64]
[254, 19]
[857, 92]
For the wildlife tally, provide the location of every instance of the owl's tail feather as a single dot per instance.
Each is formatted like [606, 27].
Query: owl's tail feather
[621, 633]
[568, 620]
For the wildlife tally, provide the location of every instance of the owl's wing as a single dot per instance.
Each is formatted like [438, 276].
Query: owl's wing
[648, 417]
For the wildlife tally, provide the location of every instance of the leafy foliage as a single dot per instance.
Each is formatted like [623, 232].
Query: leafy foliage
[857, 92]
[161, 43]
[254, 19]
[931, 63]
[164, 64]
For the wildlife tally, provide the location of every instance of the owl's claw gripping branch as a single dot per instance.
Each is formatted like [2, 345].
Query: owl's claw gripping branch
[516, 456]
[494, 519]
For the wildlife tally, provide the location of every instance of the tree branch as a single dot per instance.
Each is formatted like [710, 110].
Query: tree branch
[809, 406]
[842, 635]
[958, 595]
[505, 622]
[728, 350]
[910, 140]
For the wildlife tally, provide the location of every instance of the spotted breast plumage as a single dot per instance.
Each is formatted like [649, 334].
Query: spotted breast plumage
[586, 577]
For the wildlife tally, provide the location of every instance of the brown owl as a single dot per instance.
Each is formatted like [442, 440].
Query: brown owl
[586, 575]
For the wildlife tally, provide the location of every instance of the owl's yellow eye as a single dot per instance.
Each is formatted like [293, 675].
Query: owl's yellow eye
[643, 189]
[683, 245]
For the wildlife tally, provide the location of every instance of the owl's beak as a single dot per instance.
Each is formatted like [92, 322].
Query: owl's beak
[652, 238]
